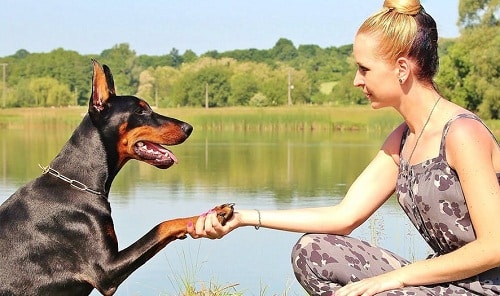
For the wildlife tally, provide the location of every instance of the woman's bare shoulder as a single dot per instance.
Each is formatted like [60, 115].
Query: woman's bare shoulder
[392, 143]
[393, 140]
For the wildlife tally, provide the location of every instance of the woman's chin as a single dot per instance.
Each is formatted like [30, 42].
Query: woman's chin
[376, 105]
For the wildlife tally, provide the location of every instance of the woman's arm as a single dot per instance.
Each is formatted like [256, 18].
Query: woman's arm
[368, 192]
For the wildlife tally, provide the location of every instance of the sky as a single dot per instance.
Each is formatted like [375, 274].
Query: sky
[155, 27]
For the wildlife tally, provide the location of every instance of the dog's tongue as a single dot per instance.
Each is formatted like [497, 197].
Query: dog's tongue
[169, 154]
[163, 151]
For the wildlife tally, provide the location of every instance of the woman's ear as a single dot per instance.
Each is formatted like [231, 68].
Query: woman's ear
[403, 69]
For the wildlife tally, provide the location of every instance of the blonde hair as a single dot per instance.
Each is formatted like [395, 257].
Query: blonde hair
[404, 29]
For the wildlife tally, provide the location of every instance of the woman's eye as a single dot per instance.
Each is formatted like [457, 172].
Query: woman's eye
[362, 69]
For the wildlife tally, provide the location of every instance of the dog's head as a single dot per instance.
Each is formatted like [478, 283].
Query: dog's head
[129, 124]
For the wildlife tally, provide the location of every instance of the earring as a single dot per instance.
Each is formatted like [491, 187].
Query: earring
[401, 81]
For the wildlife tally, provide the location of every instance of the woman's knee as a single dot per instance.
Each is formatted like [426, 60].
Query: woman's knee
[338, 257]
[300, 254]
[315, 250]
[314, 264]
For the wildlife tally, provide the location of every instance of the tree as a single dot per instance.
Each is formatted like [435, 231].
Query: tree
[243, 87]
[344, 91]
[47, 91]
[454, 68]
[146, 89]
[189, 56]
[258, 100]
[247, 55]
[469, 73]
[21, 95]
[20, 54]
[123, 62]
[469, 66]
[164, 80]
[473, 13]
[219, 88]
[175, 58]
[155, 85]
[274, 89]
[67, 67]
[284, 50]
[190, 88]
[214, 54]
[60, 95]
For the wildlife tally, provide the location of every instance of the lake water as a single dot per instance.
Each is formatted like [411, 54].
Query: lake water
[264, 170]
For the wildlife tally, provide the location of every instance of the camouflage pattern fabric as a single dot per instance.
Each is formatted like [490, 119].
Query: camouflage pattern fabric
[431, 195]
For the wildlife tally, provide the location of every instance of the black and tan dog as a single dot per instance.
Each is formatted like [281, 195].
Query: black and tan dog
[56, 233]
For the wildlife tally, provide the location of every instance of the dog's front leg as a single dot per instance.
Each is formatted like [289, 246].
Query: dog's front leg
[134, 256]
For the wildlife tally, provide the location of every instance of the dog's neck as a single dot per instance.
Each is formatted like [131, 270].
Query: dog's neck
[84, 158]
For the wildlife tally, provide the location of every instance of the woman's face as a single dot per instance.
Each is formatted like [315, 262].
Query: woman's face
[375, 76]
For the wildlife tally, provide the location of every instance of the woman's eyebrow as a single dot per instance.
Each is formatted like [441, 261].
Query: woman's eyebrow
[361, 65]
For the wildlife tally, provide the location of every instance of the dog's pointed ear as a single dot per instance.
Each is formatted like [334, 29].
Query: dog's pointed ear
[103, 87]
[109, 80]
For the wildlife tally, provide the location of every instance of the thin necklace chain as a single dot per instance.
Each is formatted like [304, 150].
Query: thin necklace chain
[423, 128]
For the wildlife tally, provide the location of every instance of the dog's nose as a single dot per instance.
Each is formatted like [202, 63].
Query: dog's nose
[187, 128]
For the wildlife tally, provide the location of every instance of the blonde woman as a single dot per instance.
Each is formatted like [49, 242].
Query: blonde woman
[442, 162]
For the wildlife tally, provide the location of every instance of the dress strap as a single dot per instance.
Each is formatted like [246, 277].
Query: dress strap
[445, 132]
[406, 132]
[446, 128]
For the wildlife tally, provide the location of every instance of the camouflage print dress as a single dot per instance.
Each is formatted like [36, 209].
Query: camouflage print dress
[431, 195]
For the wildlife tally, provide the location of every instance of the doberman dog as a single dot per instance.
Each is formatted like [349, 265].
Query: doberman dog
[56, 233]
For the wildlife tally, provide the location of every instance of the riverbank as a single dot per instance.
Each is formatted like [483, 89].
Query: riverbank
[233, 118]
[290, 118]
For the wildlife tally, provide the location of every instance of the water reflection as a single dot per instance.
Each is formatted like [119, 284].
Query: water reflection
[288, 164]
[255, 170]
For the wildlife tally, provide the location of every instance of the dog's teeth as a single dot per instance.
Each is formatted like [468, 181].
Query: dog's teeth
[170, 155]
[140, 144]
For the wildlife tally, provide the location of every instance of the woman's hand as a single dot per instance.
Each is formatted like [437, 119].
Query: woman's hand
[208, 226]
[370, 286]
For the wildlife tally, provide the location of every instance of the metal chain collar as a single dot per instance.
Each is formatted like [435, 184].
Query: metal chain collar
[76, 184]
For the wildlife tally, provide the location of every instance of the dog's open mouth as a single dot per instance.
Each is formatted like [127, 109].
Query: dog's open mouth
[154, 154]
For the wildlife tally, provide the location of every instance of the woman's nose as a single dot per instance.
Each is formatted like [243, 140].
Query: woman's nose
[358, 80]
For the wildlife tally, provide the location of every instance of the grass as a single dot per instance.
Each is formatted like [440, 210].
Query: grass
[231, 118]
[288, 118]
[188, 285]
[16, 118]
[294, 118]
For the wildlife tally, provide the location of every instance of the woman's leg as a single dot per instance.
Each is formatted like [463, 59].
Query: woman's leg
[323, 263]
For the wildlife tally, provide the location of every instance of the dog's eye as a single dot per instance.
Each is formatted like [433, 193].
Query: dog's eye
[143, 111]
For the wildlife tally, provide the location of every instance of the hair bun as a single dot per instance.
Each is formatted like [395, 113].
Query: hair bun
[409, 7]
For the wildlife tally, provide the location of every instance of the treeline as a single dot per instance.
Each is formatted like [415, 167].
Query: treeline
[284, 74]
[239, 77]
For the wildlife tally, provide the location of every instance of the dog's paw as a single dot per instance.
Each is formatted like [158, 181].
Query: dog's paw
[224, 212]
